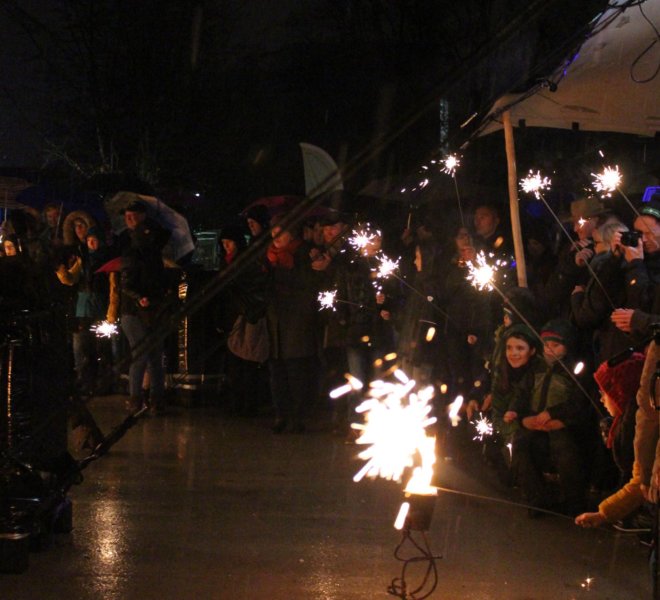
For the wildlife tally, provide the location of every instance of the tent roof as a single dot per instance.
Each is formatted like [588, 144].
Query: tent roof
[604, 88]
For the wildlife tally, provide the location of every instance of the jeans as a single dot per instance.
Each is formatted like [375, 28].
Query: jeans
[146, 354]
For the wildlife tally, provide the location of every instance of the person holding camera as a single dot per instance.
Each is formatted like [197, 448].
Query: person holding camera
[592, 303]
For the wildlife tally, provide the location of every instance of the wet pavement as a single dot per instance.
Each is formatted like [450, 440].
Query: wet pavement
[196, 504]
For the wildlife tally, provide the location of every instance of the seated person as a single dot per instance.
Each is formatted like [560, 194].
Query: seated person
[549, 420]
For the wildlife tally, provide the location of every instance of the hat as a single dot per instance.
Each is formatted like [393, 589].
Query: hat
[95, 232]
[135, 207]
[621, 381]
[560, 331]
[234, 232]
[520, 330]
[585, 208]
[652, 207]
[260, 214]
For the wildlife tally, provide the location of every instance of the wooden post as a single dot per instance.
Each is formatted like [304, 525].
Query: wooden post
[512, 178]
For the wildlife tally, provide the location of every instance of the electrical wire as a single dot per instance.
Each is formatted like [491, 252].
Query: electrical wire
[429, 581]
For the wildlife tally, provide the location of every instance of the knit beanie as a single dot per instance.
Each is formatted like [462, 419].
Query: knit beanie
[260, 214]
[521, 331]
[561, 331]
[621, 381]
[234, 232]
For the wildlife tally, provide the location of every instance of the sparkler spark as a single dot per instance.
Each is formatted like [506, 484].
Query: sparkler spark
[105, 329]
[483, 428]
[386, 266]
[450, 164]
[607, 182]
[361, 239]
[395, 422]
[534, 184]
[482, 275]
[327, 300]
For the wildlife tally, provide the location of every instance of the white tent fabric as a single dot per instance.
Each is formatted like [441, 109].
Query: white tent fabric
[599, 90]
[321, 171]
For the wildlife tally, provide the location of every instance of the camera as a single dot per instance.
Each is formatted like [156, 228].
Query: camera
[630, 238]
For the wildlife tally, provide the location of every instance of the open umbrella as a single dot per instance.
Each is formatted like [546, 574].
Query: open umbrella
[180, 243]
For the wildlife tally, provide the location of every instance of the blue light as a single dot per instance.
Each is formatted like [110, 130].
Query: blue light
[649, 191]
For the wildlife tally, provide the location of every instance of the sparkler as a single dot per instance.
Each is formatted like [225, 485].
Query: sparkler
[482, 275]
[386, 266]
[105, 329]
[395, 422]
[607, 182]
[450, 164]
[363, 239]
[483, 427]
[534, 184]
[328, 298]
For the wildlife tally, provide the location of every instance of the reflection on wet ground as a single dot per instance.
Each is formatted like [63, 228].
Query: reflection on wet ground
[198, 505]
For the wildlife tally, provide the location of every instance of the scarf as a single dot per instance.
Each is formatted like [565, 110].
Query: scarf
[283, 257]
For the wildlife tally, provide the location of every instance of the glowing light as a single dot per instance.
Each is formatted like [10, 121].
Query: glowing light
[534, 184]
[607, 182]
[363, 239]
[483, 428]
[443, 388]
[482, 275]
[430, 334]
[390, 356]
[582, 222]
[450, 164]
[394, 429]
[510, 447]
[105, 329]
[353, 384]
[327, 300]
[401, 517]
[586, 584]
[420, 481]
[386, 266]
[454, 407]
[579, 367]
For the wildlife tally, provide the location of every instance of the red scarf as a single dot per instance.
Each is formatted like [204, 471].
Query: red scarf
[283, 257]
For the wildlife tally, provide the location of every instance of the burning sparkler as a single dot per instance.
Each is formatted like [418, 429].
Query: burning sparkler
[483, 428]
[534, 184]
[450, 163]
[364, 239]
[386, 267]
[607, 182]
[482, 275]
[327, 300]
[396, 418]
[105, 329]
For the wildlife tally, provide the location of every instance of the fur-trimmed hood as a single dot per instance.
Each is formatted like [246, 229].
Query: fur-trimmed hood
[68, 232]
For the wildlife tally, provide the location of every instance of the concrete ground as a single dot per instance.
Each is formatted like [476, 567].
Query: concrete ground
[195, 504]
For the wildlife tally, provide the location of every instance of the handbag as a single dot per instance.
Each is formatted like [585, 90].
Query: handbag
[249, 341]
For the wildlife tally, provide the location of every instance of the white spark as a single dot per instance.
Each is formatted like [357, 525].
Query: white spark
[579, 367]
[483, 427]
[534, 184]
[362, 238]
[401, 517]
[482, 275]
[327, 299]
[581, 222]
[607, 182]
[386, 266]
[395, 422]
[450, 163]
[105, 329]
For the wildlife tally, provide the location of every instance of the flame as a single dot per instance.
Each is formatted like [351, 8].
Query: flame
[534, 184]
[105, 329]
[608, 181]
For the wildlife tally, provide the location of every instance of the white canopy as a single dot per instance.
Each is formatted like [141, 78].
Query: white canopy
[612, 84]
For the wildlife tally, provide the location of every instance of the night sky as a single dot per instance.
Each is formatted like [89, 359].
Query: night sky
[214, 96]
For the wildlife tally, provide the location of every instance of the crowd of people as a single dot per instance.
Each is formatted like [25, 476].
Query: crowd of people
[558, 366]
